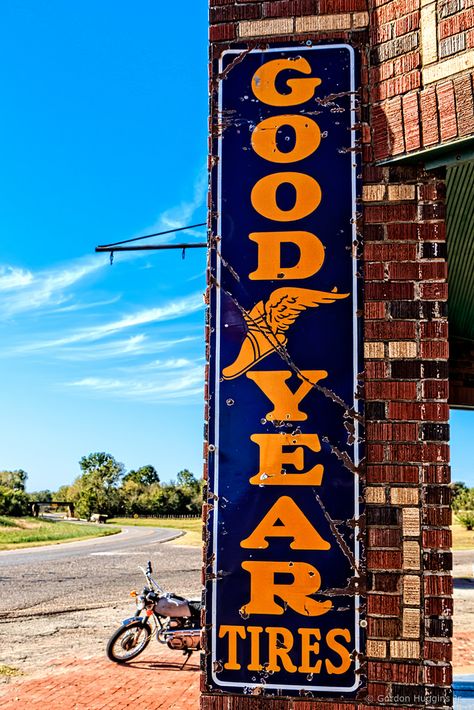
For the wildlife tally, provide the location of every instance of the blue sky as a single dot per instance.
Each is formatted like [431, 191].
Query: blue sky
[103, 135]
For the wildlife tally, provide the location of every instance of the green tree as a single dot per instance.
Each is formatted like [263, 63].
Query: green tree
[16, 480]
[44, 496]
[95, 491]
[13, 501]
[145, 476]
[192, 489]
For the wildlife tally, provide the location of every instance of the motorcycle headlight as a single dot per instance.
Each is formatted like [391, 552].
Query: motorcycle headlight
[140, 600]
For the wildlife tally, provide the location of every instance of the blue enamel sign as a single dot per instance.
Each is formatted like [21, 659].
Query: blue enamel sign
[282, 593]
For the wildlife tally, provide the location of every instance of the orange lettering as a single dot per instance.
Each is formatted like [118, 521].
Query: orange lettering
[264, 192]
[294, 524]
[264, 88]
[297, 594]
[264, 138]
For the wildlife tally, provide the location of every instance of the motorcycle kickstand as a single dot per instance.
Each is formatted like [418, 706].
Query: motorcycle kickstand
[188, 655]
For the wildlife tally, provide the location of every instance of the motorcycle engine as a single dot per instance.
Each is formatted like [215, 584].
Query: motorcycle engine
[184, 639]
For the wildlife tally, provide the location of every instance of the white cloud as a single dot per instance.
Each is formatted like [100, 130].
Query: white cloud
[180, 215]
[27, 291]
[169, 385]
[169, 311]
[136, 345]
[12, 278]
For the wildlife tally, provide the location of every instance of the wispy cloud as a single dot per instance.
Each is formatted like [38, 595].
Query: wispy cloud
[27, 290]
[182, 214]
[137, 345]
[168, 386]
[12, 278]
[169, 311]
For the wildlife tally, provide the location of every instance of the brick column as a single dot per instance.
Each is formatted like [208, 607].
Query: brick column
[406, 663]
[407, 494]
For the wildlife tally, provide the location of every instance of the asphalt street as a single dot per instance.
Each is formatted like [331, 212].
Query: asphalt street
[129, 539]
[69, 598]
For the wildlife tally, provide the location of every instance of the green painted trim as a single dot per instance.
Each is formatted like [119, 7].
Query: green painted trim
[460, 242]
[455, 152]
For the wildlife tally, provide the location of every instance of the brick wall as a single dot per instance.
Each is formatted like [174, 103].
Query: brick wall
[406, 371]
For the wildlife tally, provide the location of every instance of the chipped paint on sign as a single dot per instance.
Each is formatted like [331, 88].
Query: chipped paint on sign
[283, 569]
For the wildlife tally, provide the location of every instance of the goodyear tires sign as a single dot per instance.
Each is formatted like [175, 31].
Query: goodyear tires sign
[283, 549]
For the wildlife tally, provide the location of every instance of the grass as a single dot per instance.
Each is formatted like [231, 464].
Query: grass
[191, 526]
[31, 532]
[462, 539]
[9, 671]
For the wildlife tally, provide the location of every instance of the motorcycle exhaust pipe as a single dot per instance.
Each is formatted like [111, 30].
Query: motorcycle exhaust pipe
[184, 639]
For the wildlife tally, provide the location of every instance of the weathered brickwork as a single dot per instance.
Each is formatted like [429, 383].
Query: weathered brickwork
[402, 110]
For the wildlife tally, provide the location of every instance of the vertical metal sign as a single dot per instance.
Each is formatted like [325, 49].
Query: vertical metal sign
[283, 551]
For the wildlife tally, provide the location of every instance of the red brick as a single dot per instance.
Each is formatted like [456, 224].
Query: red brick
[393, 10]
[432, 191]
[438, 675]
[417, 232]
[409, 270]
[391, 431]
[397, 672]
[429, 117]
[390, 390]
[390, 330]
[383, 627]
[428, 412]
[435, 389]
[434, 329]
[218, 33]
[437, 650]
[384, 560]
[392, 474]
[437, 539]
[434, 291]
[331, 7]
[436, 473]
[438, 606]
[374, 310]
[438, 585]
[375, 453]
[434, 270]
[464, 104]
[290, 8]
[382, 537]
[234, 12]
[374, 271]
[411, 120]
[455, 24]
[404, 212]
[389, 252]
[376, 370]
[436, 516]
[434, 349]
[390, 291]
[447, 110]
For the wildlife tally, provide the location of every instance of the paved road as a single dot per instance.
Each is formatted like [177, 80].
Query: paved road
[68, 599]
[130, 538]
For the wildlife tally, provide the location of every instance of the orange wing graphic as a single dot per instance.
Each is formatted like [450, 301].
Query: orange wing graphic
[267, 324]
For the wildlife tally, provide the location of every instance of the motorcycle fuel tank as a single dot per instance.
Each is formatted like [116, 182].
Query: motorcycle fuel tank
[170, 606]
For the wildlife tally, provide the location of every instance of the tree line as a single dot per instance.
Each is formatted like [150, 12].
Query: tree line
[104, 486]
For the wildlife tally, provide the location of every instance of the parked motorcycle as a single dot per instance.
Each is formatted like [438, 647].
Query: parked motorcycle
[174, 620]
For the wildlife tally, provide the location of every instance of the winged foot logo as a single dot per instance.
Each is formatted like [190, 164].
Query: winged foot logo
[268, 322]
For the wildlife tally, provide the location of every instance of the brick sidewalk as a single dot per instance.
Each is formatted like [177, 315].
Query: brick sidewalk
[463, 652]
[149, 684]
[97, 684]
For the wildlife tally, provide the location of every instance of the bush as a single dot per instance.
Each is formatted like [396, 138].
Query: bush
[13, 501]
[466, 518]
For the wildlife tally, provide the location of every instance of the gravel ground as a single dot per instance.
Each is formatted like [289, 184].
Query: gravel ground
[72, 606]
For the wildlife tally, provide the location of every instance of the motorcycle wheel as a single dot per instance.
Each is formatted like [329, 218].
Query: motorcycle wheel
[128, 642]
